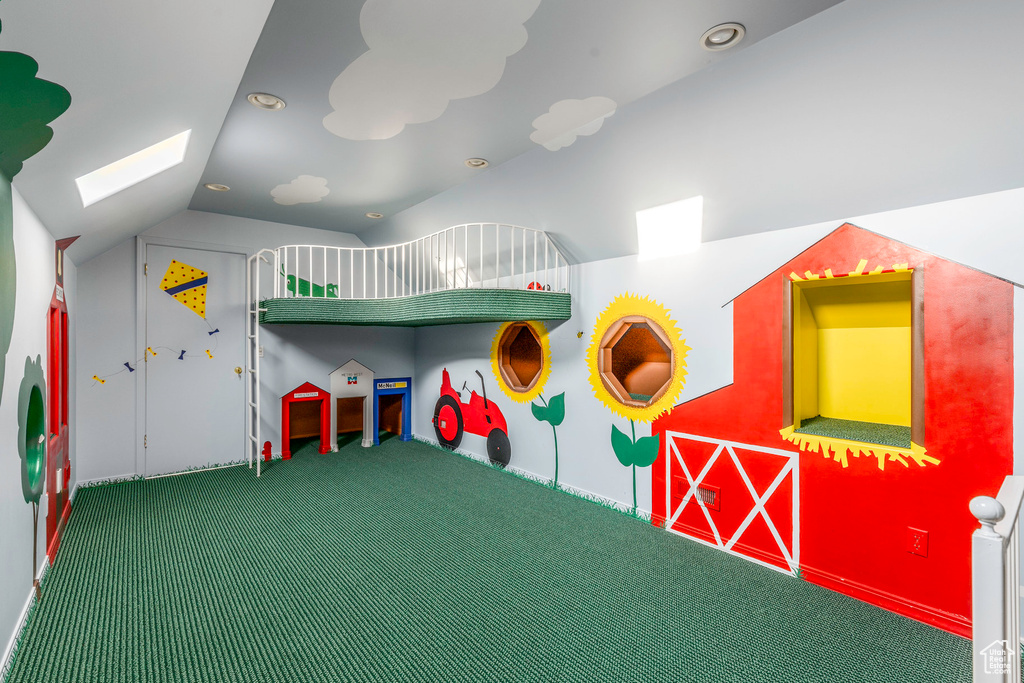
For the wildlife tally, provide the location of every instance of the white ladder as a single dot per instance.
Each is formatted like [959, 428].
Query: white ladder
[252, 358]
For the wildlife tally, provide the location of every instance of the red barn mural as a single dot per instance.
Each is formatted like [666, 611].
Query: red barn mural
[918, 366]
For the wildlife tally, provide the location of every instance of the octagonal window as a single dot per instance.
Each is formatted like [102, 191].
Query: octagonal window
[520, 357]
[635, 361]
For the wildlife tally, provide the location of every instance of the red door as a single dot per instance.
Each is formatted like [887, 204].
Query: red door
[58, 464]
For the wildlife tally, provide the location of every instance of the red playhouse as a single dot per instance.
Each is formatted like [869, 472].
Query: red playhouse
[872, 398]
[305, 412]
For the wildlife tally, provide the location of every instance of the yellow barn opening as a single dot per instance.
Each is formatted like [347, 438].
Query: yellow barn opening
[852, 355]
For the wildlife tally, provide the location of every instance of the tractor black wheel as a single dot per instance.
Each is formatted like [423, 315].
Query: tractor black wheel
[448, 422]
[499, 450]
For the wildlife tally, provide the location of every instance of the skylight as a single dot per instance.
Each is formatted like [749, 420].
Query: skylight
[670, 229]
[133, 169]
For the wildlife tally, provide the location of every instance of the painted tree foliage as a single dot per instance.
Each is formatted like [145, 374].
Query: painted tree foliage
[27, 105]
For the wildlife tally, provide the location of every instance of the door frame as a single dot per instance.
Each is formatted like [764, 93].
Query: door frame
[385, 387]
[141, 243]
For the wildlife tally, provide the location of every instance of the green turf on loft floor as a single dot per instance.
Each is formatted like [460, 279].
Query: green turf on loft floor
[407, 563]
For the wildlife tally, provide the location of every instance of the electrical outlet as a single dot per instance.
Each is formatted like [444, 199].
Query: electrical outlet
[260, 350]
[917, 541]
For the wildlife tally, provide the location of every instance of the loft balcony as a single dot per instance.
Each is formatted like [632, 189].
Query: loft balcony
[477, 272]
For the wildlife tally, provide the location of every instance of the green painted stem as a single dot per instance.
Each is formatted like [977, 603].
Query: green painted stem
[632, 426]
[35, 537]
[555, 434]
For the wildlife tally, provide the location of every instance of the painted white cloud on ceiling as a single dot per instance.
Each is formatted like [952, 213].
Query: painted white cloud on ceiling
[422, 56]
[306, 189]
[568, 119]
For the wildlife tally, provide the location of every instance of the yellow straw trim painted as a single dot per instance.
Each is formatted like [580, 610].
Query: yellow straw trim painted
[838, 449]
[860, 267]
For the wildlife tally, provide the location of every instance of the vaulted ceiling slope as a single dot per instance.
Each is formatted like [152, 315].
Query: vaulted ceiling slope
[867, 107]
[385, 98]
[138, 73]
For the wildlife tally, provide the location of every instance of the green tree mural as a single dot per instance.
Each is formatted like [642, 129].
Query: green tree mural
[27, 105]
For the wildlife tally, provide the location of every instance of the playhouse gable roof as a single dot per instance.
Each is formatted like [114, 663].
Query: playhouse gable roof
[846, 230]
[351, 366]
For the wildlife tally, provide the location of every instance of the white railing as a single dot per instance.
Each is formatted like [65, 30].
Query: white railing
[995, 564]
[253, 415]
[475, 255]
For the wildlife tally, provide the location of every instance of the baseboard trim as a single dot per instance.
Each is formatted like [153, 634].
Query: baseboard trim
[198, 469]
[740, 549]
[19, 629]
[104, 481]
[574, 491]
[123, 478]
[956, 624]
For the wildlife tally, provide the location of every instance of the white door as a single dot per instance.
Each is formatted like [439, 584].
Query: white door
[195, 326]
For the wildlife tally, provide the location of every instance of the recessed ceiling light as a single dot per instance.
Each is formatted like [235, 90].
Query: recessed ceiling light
[722, 37]
[477, 162]
[216, 187]
[374, 214]
[132, 169]
[262, 100]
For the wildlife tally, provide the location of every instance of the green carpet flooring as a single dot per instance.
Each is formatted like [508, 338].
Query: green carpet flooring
[853, 430]
[407, 563]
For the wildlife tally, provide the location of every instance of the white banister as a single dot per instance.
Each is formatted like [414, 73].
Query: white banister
[995, 569]
[432, 263]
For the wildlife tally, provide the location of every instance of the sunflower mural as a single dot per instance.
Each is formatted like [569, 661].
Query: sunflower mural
[521, 359]
[521, 362]
[637, 362]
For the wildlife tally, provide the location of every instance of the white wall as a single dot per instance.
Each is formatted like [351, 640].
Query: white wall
[696, 288]
[292, 355]
[34, 247]
[105, 431]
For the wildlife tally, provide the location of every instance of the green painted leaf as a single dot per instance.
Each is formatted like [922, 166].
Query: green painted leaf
[645, 451]
[556, 409]
[623, 447]
[539, 412]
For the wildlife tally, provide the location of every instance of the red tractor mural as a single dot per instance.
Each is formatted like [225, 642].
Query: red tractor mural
[452, 418]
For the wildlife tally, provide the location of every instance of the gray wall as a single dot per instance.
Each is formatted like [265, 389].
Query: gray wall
[868, 106]
[696, 289]
[33, 246]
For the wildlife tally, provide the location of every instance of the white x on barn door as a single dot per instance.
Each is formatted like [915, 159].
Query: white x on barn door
[789, 549]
